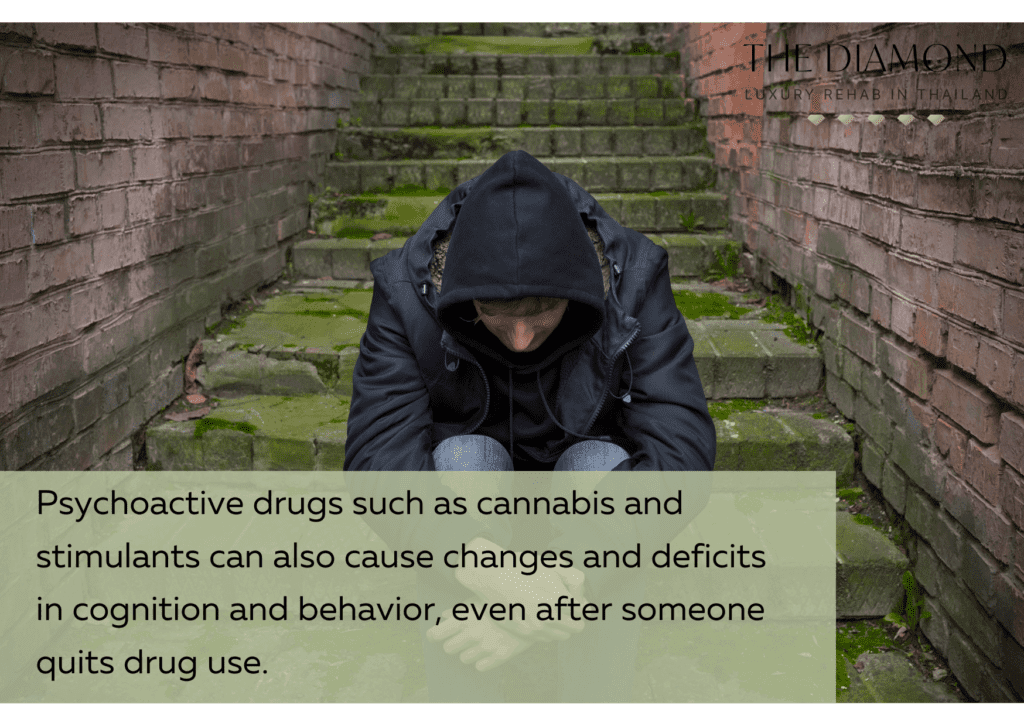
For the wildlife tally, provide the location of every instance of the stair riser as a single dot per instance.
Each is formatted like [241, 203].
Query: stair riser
[520, 87]
[513, 112]
[530, 30]
[491, 64]
[597, 175]
[400, 144]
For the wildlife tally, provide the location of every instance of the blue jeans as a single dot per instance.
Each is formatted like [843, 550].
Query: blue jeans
[482, 453]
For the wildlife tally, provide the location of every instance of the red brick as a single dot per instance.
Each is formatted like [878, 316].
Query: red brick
[213, 86]
[207, 121]
[963, 348]
[933, 238]
[1017, 396]
[167, 47]
[903, 318]
[178, 82]
[952, 443]
[913, 280]
[28, 175]
[15, 228]
[995, 367]
[858, 337]
[987, 524]
[1013, 316]
[82, 35]
[127, 122]
[1010, 606]
[1008, 143]
[895, 184]
[63, 122]
[171, 122]
[114, 251]
[930, 332]
[104, 168]
[146, 203]
[58, 265]
[971, 299]
[151, 162]
[946, 193]
[1018, 565]
[120, 39]
[48, 223]
[28, 72]
[1011, 440]
[1013, 501]
[202, 52]
[82, 78]
[18, 127]
[230, 57]
[989, 249]
[969, 405]
[83, 215]
[999, 198]
[135, 80]
[113, 209]
[983, 470]
[13, 281]
[904, 366]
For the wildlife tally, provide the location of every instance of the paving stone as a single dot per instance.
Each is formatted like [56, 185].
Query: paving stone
[869, 570]
[892, 678]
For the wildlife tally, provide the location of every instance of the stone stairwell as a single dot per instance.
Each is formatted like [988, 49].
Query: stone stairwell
[436, 111]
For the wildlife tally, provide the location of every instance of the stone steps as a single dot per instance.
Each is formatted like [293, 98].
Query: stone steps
[349, 259]
[511, 86]
[408, 143]
[525, 29]
[599, 174]
[506, 112]
[401, 215]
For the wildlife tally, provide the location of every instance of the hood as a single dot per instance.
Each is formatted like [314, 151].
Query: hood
[519, 234]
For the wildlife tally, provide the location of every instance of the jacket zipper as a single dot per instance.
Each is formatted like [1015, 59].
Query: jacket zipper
[487, 391]
[608, 376]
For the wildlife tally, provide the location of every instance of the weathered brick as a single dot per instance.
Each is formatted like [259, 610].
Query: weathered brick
[965, 611]
[88, 406]
[983, 470]
[1010, 606]
[69, 122]
[150, 163]
[894, 487]
[1011, 440]
[952, 443]
[912, 280]
[167, 47]
[27, 175]
[78, 77]
[858, 337]
[178, 82]
[860, 292]
[81, 35]
[127, 122]
[841, 394]
[1017, 396]
[968, 404]
[18, 130]
[28, 72]
[985, 523]
[881, 307]
[13, 281]
[995, 367]
[15, 228]
[905, 366]
[999, 198]
[121, 39]
[103, 167]
[963, 348]
[930, 331]
[871, 458]
[974, 300]
[946, 193]
[928, 236]
[1013, 316]
[990, 249]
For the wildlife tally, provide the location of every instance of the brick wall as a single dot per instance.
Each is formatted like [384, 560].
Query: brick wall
[905, 245]
[149, 175]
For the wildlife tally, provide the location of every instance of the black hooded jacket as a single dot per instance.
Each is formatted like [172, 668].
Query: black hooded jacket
[619, 366]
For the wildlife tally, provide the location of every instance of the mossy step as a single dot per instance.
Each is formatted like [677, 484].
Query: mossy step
[652, 212]
[452, 112]
[869, 570]
[348, 259]
[398, 143]
[551, 30]
[752, 359]
[777, 440]
[599, 173]
[578, 86]
[518, 44]
[891, 678]
[256, 433]
[504, 64]
[305, 433]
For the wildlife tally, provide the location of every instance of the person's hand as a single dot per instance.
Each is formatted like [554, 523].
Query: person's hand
[546, 585]
[480, 643]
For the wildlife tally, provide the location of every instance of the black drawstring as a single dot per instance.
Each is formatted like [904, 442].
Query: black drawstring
[625, 397]
[558, 423]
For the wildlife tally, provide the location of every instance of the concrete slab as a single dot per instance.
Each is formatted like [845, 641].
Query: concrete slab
[869, 569]
[300, 321]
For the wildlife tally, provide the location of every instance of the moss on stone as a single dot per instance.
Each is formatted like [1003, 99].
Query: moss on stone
[853, 640]
[701, 305]
[722, 410]
[444, 44]
[209, 424]
[797, 328]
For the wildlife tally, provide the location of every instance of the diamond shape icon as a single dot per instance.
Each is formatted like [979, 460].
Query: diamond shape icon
[936, 118]
[815, 118]
[845, 119]
[876, 118]
[905, 119]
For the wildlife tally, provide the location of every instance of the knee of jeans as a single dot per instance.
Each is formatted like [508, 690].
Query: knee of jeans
[591, 456]
[471, 452]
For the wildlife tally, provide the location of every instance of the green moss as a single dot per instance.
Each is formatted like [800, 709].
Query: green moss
[722, 410]
[850, 495]
[726, 264]
[209, 424]
[853, 640]
[865, 520]
[358, 314]
[705, 304]
[339, 348]
[819, 416]
[797, 328]
[347, 231]
[445, 44]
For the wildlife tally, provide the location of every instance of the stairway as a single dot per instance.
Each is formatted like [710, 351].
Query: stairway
[436, 111]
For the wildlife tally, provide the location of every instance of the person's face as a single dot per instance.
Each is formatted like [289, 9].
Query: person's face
[523, 334]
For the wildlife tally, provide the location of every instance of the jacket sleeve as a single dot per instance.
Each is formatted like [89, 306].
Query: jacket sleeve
[667, 418]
